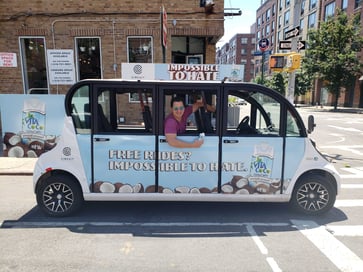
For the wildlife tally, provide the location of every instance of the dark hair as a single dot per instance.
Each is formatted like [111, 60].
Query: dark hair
[176, 99]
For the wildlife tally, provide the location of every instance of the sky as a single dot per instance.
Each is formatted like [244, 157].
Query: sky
[239, 24]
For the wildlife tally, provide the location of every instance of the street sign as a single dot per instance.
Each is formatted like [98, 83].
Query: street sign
[263, 44]
[284, 45]
[300, 45]
[292, 33]
[259, 53]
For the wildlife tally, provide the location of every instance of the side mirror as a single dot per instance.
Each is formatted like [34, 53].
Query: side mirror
[311, 123]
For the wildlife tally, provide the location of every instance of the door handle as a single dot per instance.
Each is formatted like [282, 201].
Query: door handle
[163, 141]
[230, 141]
[102, 139]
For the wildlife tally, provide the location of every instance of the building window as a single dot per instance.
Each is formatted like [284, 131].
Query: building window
[140, 49]
[312, 20]
[287, 17]
[301, 25]
[357, 3]
[89, 57]
[33, 63]
[329, 10]
[312, 4]
[268, 14]
[244, 40]
[267, 30]
[344, 4]
[302, 7]
[287, 3]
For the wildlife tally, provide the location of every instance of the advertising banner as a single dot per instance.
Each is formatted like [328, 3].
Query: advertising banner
[30, 124]
[171, 71]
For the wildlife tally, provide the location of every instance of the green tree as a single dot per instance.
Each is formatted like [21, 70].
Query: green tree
[303, 83]
[332, 52]
[277, 82]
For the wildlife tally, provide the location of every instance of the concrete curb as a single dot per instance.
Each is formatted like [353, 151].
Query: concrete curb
[17, 166]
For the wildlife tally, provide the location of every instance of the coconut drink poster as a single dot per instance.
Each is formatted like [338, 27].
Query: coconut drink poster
[30, 124]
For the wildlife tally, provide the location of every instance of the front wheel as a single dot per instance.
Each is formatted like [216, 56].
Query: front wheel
[313, 195]
[59, 195]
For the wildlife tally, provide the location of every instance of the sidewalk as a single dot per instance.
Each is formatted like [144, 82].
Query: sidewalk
[16, 166]
[330, 109]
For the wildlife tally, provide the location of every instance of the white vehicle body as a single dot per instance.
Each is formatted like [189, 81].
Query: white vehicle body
[263, 163]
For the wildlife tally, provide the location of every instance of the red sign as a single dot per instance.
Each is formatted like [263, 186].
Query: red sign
[8, 59]
[263, 44]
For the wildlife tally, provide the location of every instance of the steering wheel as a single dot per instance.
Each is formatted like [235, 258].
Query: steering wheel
[244, 123]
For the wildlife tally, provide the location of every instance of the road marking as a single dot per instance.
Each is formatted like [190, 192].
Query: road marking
[24, 224]
[345, 129]
[346, 230]
[349, 148]
[348, 203]
[351, 186]
[356, 173]
[341, 256]
[271, 261]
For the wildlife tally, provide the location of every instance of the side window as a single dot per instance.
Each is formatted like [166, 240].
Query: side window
[238, 115]
[267, 115]
[292, 128]
[126, 110]
[103, 120]
[253, 114]
[204, 119]
[81, 111]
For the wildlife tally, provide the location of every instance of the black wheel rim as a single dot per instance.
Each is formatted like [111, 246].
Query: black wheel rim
[58, 197]
[312, 196]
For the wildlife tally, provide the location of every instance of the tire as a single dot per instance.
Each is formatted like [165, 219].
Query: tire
[313, 195]
[59, 195]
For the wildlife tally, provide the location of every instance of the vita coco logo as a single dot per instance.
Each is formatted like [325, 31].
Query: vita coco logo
[261, 166]
[262, 160]
[32, 122]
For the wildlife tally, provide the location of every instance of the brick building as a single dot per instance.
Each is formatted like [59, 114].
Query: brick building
[101, 35]
[265, 29]
[239, 50]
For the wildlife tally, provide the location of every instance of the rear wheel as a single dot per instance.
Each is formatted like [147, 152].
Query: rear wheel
[59, 195]
[313, 195]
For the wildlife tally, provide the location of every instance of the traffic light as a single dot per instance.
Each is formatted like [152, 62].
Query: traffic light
[293, 61]
[277, 62]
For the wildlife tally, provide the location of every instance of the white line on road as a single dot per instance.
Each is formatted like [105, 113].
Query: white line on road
[346, 230]
[345, 129]
[24, 224]
[271, 261]
[350, 148]
[341, 256]
[351, 186]
[348, 203]
[356, 173]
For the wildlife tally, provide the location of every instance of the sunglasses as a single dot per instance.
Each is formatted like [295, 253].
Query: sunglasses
[179, 108]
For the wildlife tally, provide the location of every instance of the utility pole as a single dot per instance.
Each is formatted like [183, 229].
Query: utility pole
[292, 76]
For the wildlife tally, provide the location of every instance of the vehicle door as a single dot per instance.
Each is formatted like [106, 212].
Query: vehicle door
[252, 142]
[123, 140]
[190, 170]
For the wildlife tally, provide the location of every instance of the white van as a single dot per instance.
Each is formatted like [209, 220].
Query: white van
[113, 147]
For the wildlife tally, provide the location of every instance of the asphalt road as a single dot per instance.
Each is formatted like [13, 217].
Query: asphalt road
[175, 236]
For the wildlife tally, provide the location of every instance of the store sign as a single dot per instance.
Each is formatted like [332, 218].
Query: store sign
[8, 60]
[61, 67]
[174, 71]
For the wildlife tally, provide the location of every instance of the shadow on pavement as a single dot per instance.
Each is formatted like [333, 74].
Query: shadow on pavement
[175, 219]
